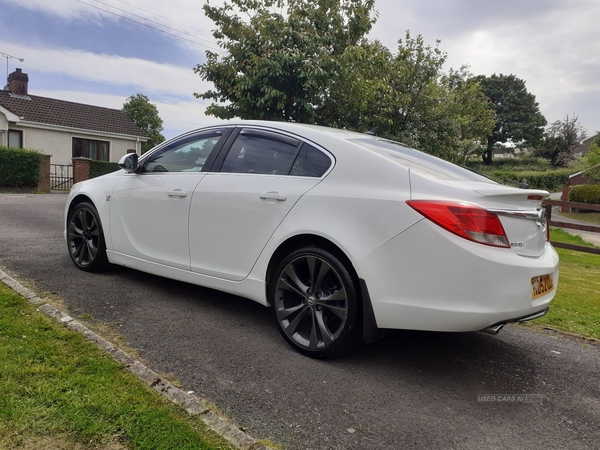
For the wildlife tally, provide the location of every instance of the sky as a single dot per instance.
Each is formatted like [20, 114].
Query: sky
[100, 52]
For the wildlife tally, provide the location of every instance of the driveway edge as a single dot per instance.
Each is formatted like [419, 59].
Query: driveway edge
[191, 403]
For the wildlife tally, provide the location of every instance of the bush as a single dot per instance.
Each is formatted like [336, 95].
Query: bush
[523, 163]
[551, 180]
[585, 193]
[98, 168]
[19, 167]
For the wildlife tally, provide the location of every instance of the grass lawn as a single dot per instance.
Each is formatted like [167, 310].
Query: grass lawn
[60, 391]
[576, 307]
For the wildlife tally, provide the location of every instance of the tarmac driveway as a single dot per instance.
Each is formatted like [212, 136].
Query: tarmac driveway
[520, 390]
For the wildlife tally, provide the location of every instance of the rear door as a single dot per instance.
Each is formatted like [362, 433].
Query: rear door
[235, 211]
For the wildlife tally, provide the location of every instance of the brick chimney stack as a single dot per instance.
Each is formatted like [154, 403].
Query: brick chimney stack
[17, 82]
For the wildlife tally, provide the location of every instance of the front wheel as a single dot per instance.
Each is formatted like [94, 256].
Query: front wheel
[85, 238]
[315, 303]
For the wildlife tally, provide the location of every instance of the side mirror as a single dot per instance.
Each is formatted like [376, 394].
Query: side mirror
[129, 162]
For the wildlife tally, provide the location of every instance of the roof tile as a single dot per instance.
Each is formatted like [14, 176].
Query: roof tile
[51, 111]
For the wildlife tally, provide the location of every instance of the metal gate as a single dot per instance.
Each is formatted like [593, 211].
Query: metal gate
[61, 177]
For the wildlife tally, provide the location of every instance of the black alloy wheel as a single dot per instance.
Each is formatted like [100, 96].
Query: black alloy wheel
[85, 238]
[315, 303]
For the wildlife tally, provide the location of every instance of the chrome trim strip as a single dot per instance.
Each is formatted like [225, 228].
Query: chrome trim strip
[539, 215]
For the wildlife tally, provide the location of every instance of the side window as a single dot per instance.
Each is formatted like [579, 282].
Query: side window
[258, 153]
[15, 139]
[310, 162]
[187, 156]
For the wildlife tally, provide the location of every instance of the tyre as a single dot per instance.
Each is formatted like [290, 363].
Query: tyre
[315, 303]
[85, 238]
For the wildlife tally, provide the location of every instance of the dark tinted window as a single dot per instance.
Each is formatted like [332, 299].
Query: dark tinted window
[310, 162]
[256, 153]
[90, 148]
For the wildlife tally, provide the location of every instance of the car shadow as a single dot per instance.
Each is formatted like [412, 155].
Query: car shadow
[199, 324]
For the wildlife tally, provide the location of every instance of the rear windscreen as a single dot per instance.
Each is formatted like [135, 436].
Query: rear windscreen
[422, 163]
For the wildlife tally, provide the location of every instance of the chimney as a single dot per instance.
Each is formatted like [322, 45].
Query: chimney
[17, 82]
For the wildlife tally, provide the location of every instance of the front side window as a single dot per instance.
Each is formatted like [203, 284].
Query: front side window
[90, 148]
[15, 139]
[186, 156]
[261, 153]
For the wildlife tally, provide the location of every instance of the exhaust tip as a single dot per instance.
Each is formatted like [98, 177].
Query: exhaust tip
[493, 330]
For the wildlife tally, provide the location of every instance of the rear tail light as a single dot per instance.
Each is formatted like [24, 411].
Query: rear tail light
[467, 221]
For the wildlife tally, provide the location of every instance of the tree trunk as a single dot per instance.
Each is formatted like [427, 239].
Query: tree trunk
[488, 154]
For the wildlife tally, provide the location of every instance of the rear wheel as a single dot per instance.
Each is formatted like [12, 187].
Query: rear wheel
[85, 238]
[315, 303]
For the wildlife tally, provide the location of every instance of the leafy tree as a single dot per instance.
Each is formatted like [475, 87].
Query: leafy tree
[467, 116]
[559, 141]
[518, 116]
[409, 98]
[309, 61]
[280, 63]
[145, 115]
[592, 160]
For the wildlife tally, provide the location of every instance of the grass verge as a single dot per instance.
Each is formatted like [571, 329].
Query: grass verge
[576, 307]
[61, 391]
[592, 217]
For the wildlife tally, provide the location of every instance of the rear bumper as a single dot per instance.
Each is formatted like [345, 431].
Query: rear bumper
[429, 279]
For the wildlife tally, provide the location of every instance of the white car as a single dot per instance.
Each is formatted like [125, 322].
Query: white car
[343, 235]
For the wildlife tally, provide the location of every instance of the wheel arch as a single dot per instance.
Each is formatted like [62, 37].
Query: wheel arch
[78, 199]
[306, 240]
[370, 331]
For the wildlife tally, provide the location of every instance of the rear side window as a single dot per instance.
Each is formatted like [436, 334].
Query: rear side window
[310, 162]
[261, 154]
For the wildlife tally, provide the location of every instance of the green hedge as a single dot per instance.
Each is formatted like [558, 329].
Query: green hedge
[551, 180]
[19, 167]
[98, 168]
[520, 164]
[585, 193]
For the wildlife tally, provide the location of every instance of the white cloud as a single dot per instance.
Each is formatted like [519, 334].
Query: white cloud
[551, 44]
[64, 9]
[142, 74]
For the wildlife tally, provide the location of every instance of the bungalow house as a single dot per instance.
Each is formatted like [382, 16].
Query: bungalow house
[584, 147]
[63, 129]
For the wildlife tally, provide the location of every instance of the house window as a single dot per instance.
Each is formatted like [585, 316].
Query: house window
[89, 148]
[15, 138]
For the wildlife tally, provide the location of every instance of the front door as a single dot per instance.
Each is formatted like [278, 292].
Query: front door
[150, 210]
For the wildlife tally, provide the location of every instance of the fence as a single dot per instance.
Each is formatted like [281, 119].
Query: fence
[61, 177]
[565, 207]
